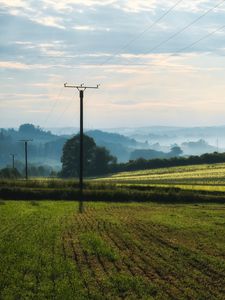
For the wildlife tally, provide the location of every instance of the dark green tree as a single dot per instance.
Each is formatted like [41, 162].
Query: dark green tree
[102, 160]
[96, 159]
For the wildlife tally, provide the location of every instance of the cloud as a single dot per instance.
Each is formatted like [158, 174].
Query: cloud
[14, 3]
[13, 65]
[90, 28]
[49, 21]
[133, 6]
[23, 66]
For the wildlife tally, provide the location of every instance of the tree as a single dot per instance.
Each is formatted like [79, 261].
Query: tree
[175, 151]
[96, 159]
[102, 160]
[28, 129]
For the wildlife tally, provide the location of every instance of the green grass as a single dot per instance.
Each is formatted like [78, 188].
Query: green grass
[112, 251]
[93, 244]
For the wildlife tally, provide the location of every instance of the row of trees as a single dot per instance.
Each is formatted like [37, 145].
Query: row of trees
[143, 164]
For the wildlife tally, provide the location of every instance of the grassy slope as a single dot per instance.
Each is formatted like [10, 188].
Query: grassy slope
[113, 251]
[197, 177]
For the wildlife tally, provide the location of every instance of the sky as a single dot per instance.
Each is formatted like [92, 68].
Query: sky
[158, 62]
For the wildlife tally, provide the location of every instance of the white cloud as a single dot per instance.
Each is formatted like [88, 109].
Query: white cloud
[13, 65]
[130, 6]
[14, 3]
[48, 21]
[90, 28]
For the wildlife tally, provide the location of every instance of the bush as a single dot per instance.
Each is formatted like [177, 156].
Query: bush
[9, 173]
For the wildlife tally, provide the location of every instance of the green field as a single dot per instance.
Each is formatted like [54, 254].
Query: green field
[197, 177]
[112, 251]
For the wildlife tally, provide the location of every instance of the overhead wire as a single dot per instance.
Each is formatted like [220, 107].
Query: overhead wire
[130, 42]
[183, 48]
[55, 103]
[65, 110]
[183, 29]
[141, 33]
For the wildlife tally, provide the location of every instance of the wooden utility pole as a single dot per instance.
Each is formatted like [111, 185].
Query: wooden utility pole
[13, 160]
[26, 160]
[81, 88]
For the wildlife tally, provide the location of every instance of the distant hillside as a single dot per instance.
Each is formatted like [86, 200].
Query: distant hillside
[198, 147]
[119, 145]
[46, 147]
[152, 154]
[147, 154]
[166, 135]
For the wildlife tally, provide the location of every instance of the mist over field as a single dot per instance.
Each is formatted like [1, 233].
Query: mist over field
[124, 143]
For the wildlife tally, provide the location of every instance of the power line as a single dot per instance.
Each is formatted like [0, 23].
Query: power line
[192, 44]
[129, 42]
[201, 39]
[55, 103]
[142, 33]
[65, 110]
[183, 29]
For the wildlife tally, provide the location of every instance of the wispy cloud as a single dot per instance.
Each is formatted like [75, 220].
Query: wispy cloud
[13, 65]
[49, 21]
[90, 28]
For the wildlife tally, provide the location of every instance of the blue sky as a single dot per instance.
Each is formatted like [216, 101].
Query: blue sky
[47, 42]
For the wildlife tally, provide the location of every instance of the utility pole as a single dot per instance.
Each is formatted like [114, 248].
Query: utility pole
[25, 149]
[13, 160]
[81, 88]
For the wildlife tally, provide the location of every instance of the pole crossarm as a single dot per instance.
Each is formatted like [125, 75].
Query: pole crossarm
[25, 141]
[81, 86]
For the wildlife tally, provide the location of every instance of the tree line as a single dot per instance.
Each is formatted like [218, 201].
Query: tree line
[143, 164]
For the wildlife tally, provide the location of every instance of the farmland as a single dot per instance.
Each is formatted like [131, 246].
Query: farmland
[197, 177]
[112, 251]
[140, 236]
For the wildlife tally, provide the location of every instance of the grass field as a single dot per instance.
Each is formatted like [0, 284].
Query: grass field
[196, 177]
[112, 251]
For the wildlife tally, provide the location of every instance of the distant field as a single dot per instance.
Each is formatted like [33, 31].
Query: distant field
[188, 184]
[197, 177]
[112, 251]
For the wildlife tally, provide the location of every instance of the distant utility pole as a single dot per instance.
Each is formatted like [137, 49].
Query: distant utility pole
[25, 149]
[13, 160]
[81, 88]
